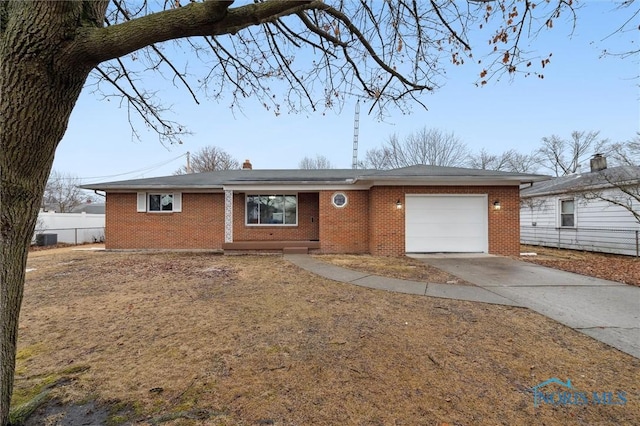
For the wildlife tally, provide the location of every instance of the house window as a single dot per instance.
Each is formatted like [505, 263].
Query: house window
[160, 203]
[339, 199]
[272, 210]
[567, 213]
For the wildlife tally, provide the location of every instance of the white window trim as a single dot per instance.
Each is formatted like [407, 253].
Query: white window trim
[143, 204]
[575, 213]
[276, 225]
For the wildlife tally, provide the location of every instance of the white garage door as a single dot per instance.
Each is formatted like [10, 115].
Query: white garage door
[446, 223]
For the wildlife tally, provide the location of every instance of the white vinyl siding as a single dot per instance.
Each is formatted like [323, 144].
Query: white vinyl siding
[600, 225]
[544, 211]
[538, 212]
[446, 223]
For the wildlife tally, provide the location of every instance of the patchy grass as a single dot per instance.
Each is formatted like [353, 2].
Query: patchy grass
[194, 339]
[614, 267]
[404, 268]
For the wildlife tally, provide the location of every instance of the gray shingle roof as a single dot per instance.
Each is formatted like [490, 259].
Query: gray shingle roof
[422, 170]
[217, 179]
[583, 181]
[92, 208]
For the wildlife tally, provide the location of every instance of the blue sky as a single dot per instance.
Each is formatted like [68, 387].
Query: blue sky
[581, 91]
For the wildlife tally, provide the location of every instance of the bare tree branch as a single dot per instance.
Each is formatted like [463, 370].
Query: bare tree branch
[320, 162]
[619, 186]
[209, 159]
[564, 156]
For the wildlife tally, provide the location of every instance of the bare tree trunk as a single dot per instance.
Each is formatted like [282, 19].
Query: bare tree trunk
[39, 86]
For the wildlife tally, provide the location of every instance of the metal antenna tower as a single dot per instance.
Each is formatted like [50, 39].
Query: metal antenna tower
[356, 129]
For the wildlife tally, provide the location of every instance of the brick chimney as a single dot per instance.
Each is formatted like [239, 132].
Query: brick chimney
[247, 165]
[598, 162]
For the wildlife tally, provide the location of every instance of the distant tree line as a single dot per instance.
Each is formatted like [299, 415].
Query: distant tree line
[556, 155]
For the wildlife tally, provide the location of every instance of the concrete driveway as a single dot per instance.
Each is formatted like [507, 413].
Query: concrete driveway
[605, 310]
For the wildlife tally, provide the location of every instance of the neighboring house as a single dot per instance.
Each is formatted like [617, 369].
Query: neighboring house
[411, 209]
[90, 207]
[581, 211]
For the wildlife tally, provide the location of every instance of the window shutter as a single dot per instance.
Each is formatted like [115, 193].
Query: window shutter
[177, 201]
[142, 201]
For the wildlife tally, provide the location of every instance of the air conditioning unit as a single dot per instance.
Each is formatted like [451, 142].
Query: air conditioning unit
[46, 239]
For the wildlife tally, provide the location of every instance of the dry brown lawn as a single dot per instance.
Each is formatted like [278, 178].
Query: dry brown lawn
[614, 267]
[404, 268]
[200, 339]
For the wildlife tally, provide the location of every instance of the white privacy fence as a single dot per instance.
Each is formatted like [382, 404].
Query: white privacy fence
[72, 228]
[605, 240]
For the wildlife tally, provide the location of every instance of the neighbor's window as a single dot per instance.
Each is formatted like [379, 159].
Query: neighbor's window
[567, 213]
[160, 202]
[272, 210]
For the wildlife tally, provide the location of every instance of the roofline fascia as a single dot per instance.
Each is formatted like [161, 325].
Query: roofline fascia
[297, 187]
[607, 185]
[138, 188]
[446, 181]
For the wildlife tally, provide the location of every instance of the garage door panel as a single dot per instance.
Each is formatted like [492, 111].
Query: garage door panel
[454, 217]
[463, 230]
[450, 245]
[440, 223]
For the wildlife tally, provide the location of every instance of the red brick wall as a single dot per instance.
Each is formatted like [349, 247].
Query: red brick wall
[307, 228]
[386, 221]
[346, 229]
[388, 228]
[369, 222]
[200, 225]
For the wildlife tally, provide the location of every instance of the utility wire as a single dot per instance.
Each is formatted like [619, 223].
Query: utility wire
[140, 171]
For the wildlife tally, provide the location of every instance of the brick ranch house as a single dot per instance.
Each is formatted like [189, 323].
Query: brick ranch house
[382, 212]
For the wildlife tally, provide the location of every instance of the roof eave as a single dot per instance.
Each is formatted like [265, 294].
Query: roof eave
[147, 187]
[456, 180]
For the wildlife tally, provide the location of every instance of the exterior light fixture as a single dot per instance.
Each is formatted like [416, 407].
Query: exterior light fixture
[398, 204]
[496, 205]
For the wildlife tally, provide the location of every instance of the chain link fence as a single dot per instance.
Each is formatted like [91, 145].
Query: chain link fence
[605, 240]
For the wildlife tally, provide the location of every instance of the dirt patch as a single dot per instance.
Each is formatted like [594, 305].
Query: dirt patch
[624, 269]
[404, 268]
[195, 339]
[57, 413]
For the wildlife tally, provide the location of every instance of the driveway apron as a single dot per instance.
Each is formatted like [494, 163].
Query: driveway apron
[605, 310]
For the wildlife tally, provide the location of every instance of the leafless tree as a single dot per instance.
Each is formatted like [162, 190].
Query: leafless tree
[63, 192]
[426, 146]
[209, 159]
[628, 24]
[288, 55]
[564, 156]
[618, 185]
[524, 163]
[510, 161]
[319, 162]
[375, 158]
[487, 161]
[624, 153]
